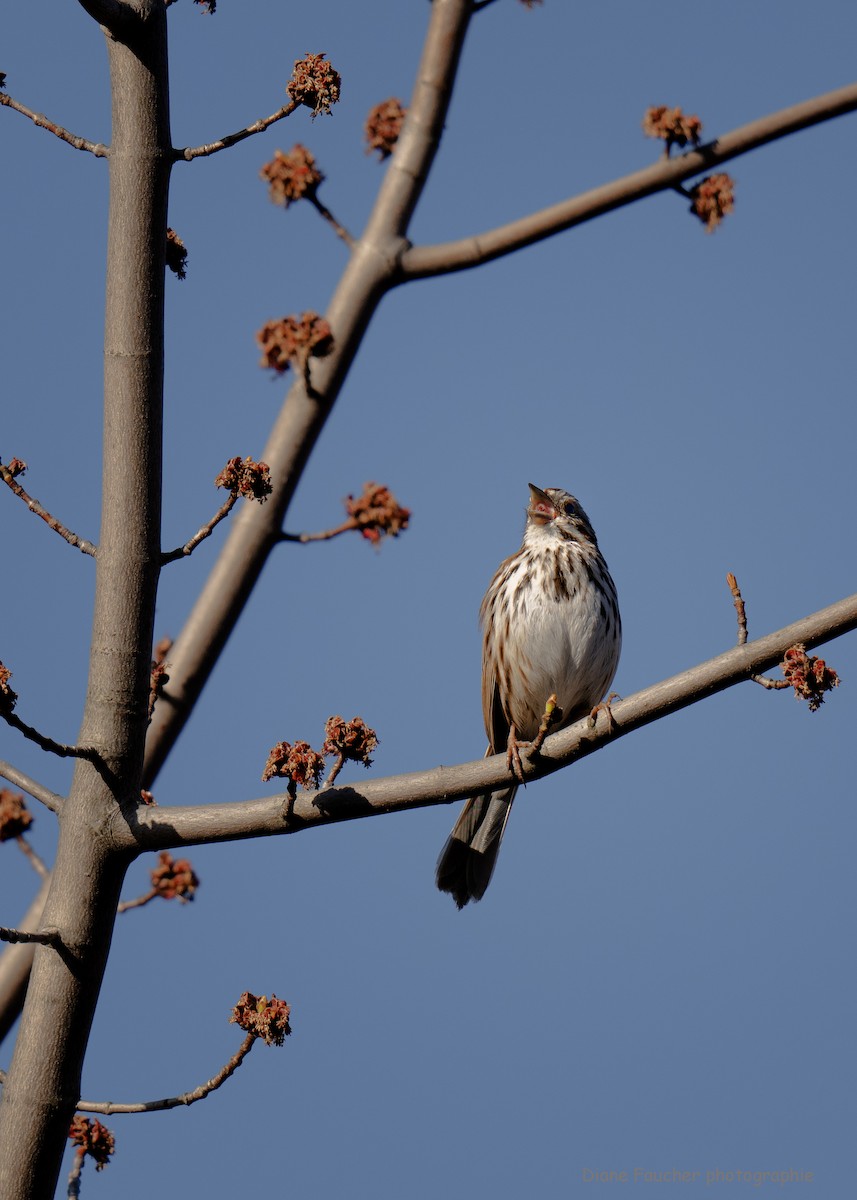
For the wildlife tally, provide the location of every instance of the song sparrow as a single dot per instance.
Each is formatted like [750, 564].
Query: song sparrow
[551, 625]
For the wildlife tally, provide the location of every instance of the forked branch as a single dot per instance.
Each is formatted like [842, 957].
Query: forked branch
[666, 174]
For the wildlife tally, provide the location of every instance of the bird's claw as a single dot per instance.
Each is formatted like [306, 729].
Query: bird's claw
[605, 707]
[513, 756]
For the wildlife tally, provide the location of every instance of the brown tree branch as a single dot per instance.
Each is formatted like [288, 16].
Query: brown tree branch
[29, 785]
[88, 874]
[162, 828]
[189, 153]
[44, 937]
[35, 507]
[79, 143]
[743, 634]
[108, 1108]
[323, 535]
[325, 212]
[421, 261]
[137, 902]
[61, 749]
[206, 530]
[16, 962]
[34, 860]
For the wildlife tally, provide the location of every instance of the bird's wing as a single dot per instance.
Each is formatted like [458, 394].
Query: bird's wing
[496, 722]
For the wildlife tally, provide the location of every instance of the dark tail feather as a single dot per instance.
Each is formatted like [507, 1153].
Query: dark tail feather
[466, 862]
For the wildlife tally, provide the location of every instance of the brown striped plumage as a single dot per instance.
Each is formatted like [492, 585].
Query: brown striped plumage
[551, 625]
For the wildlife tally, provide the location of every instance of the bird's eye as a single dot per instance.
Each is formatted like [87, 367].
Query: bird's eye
[570, 508]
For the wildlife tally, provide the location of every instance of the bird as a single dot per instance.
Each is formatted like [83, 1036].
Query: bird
[551, 631]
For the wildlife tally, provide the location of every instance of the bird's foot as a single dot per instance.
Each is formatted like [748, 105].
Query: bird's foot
[514, 749]
[605, 707]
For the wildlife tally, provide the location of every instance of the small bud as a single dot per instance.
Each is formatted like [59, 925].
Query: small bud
[264, 1018]
[299, 764]
[315, 83]
[16, 467]
[809, 675]
[293, 341]
[383, 126]
[176, 255]
[92, 1138]
[174, 878]
[353, 740]
[377, 513]
[672, 126]
[8, 697]
[711, 199]
[161, 650]
[291, 176]
[244, 477]
[15, 817]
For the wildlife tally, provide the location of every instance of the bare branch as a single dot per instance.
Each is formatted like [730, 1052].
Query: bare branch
[741, 613]
[179, 826]
[137, 902]
[421, 261]
[201, 534]
[46, 743]
[325, 212]
[15, 964]
[323, 535]
[108, 1108]
[190, 153]
[34, 506]
[79, 143]
[38, 865]
[29, 785]
[45, 937]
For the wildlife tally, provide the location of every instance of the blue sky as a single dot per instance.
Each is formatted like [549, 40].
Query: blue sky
[661, 974]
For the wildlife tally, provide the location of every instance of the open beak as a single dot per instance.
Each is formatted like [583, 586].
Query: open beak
[541, 508]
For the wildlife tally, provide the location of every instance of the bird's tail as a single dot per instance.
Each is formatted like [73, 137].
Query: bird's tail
[466, 862]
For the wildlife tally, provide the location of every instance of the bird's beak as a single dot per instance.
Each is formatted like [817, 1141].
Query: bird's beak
[541, 508]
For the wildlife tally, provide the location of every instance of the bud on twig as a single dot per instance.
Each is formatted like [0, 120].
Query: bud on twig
[315, 83]
[291, 176]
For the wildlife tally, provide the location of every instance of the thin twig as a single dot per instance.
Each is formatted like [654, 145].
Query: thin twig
[260, 126]
[204, 532]
[323, 536]
[110, 1109]
[73, 1185]
[325, 212]
[335, 769]
[35, 507]
[35, 862]
[19, 779]
[79, 143]
[551, 715]
[45, 937]
[741, 611]
[124, 905]
[59, 748]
